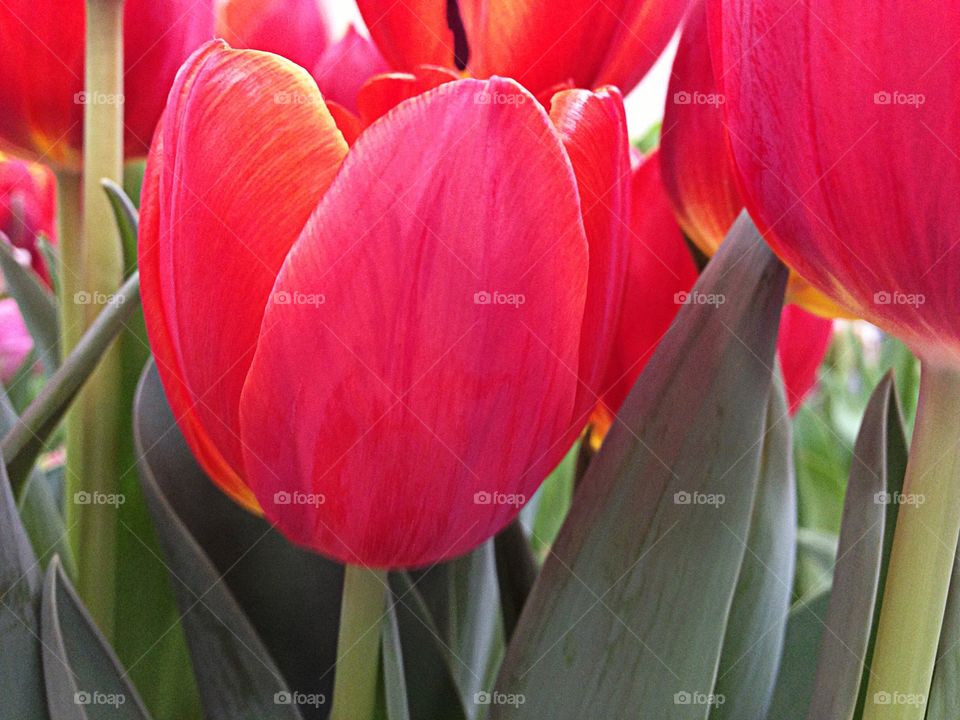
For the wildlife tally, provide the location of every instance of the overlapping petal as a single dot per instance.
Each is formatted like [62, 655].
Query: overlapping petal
[540, 43]
[698, 167]
[420, 349]
[832, 171]
[297, 29]
[246, 150]
[345, 66]
[593, 127]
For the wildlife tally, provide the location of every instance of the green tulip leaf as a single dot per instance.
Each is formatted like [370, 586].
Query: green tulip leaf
[25, 440]
[21, 665]
[865, 531]
[798, 666]
[629, 615]
[236, 676]
[755, 630]
[82, 675]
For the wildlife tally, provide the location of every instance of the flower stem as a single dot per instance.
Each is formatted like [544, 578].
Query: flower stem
[921, 562]
[91, 271]
[358, 647]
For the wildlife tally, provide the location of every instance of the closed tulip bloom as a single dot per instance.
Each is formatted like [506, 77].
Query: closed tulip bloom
[697, 165]
[402, 338]
[27, 208]
[41, 72]
[850, 167]
[541, 43]
[660, 275]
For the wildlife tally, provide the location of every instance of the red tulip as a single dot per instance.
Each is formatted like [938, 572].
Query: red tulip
[27, 208]
[697, 165]
[842, 119]
[297, 29]
[660, 275]
[539, 43]
[397, 344]
[41, 71]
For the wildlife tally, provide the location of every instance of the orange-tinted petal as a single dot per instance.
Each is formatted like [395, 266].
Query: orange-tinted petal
[246, 150]
[384, 92]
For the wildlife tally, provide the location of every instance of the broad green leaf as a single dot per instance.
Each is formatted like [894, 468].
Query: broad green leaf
[869, 509]
[236, 676]
[755, 630]
[298, 619]
[37, 305]
[21, 669]
[395, 684]
[82, 675]
[795, 679]
[42, 516]
[628, 616]
[24, 441]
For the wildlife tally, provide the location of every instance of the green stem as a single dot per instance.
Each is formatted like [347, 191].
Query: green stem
[921, 562]
[91, 272]
[358, 647]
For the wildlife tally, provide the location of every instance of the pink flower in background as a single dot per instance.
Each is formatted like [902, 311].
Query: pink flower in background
[15, 340]
[27, 208]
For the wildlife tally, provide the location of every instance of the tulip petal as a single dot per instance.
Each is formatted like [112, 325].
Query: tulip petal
[384, 92]
[345, 66]
[802, 344]
[299, 30]
[660, 272]
[836, 173]
[246, 150]
[416, 374]
[410, 33]
[593, 127]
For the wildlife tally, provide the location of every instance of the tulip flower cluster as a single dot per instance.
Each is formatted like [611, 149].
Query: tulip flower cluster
[393, 273]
